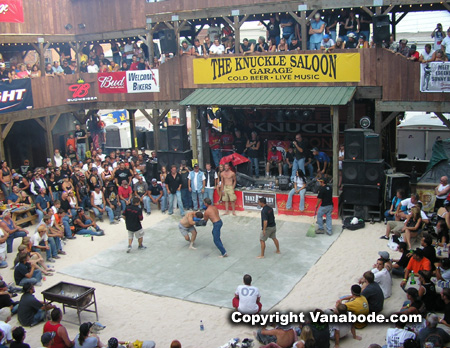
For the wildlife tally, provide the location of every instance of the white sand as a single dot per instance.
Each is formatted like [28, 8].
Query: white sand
[131, 315]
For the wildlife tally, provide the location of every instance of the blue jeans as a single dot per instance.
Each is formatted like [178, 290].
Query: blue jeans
[116, 59]
[81, 151]
[108, 211]
[388, 216]
[302, 199]
[164, 199]
[176, 196]
[36, 278]
[67, 230]
[217, 155]
[89, 231]
[40, 215]
[209, 193]
[297, 164]
[255, 165]
[85, 203]
[216, 236]
[146, 200]
[333, 35]
[197, 199]
[310, 169]
[123, 204]
[6, 189]
[3, 264]
[10, 240]
[56, 195]
[314, 46]
[186, 198]
[327, 210]
[366, 34]
[38, 317]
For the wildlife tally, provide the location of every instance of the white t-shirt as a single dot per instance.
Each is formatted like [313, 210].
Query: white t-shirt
[344, 329]
[128, 48]
[427, 56]
[92, 69]
[341, 154]
[6, 328]
[36, 239]
[98, 198]
[58, 160]
[384, 280]
[327, 44]
[299, 181]
[446, 43]
[217, 49]
[2, 246]
[395, 337]
[247, 299]
[210, 184]
[195, 180]
[440, 188]
[408, 204]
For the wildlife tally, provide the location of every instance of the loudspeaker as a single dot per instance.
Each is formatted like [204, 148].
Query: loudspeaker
[141, 140]
[381, 28]
[168, 42]
[372, 148]
[363, 173]
[167, 158]
[283, 182]
[244, 180]
[354, 143]
[361, 194]
[395, 182]
[178, 139]
[150, 140]
[163, 140]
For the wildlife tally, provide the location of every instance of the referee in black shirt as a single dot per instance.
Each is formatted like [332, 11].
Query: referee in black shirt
[269, 228]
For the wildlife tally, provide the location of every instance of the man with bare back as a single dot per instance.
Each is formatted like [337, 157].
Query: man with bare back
[228, 179]
[212, 213]
[187, 224]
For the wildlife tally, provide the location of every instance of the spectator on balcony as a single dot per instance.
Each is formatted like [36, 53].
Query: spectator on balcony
[316, 31]
[13, 76]
[351, 41]
[214, 31]
[134, 63]
[22, 74]
[287, 25]
[92, 68]
[438, 34]
[49, 70]
[66, 68]
[273, 46]
[327, 44]
[352, 23]
[439, 56]
[207, 43]
[413, 54]
[331, 21]
[283, 46]
[185, 49]
[362, 41]
[246, 47]
[35, 72]
[295, 44]
[403, 49]
[57, 69]
[128, 52]
[143, 64]
[83, 67]
[427, 54]
[115, 52]
[124, 66]
[29, 66]
[102, 67]
[273, 29]
[4, 74]
[114, 67]
[445, 44]
[262, 46]
[341, 21]
[216, 48]
[198, 49]
[101, 58]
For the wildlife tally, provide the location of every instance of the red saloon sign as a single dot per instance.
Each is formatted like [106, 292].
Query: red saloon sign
[80, 92]
[112, 82]
[11, 11]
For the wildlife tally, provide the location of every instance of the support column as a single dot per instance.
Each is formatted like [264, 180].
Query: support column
[194, 144]
[237, 34]
[335, 117]
[378, 120]
[133, 129]
[182, 113]
[48, 130]
[155, 123]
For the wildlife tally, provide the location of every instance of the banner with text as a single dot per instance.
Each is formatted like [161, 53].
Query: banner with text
[250, 200]
[435, 77]
[11, 11]
[341, 67]
[136, 81]
[15, 96]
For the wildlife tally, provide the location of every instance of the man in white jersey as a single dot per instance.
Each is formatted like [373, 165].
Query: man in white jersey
[441, 191]
[246, 298]
[99, 205]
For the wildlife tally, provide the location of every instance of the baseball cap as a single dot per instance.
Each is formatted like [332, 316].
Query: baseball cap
[3, 284]
[315, 149]
[418, 252]
[154, 180]
[79, 210]
[142, 148]
[47, 337]
[15, 175]
[326, 36]
[274, 148]
[384, 255]
[97, 186]
[196, 165]
[317, 15]
[351, 35]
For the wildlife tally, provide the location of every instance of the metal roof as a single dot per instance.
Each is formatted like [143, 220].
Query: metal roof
[284, 96]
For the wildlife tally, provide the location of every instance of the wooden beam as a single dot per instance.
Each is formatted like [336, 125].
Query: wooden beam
[194, 143]
[132, 128]
[335, 119]
[155, 116]
[388, 120]
[237, 34]
[366, 10]
[304, 31]
[7, 129]
[444, 120]
[48, 130]
[162, 115]
[146, 114]
[182, 113]
[368, 93]
[446, 5]
[386, 12]
[351, 114]
[169, 26]
[109, 35]
[41, 123]
[402, 106]
[401, 17]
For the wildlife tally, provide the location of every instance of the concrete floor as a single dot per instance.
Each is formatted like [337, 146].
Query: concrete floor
[168, 268]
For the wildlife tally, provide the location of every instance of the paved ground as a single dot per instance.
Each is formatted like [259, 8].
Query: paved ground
[169, 268]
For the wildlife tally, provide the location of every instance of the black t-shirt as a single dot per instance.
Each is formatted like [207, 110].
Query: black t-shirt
[173, 183]
[273, 28]
[20, 271]
[265, 48]
[240, 144]
[267, 214]
[326, 195]
[15, 344]
[65, 205]
[53, 185]
[364, 26]
[78, 134]
[111, 196]
[155, 190]
[5, 301]
[28, 307]
[351, 44]
[293, 47]
[133, 218]
[374, 296]
[4, 74]
[122, 174]
[447, 313]
[65, 172]
[290, 157]
[246, 48]
[430, 253]
[184, 173]
[304, 146]
[67, 70]
[404, 260]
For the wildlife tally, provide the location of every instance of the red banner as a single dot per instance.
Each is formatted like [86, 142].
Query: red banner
[11, 11]
[112, 82]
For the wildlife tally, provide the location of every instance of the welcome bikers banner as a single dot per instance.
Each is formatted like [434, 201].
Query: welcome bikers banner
[136, 81]
[330, 67]
[435, 77]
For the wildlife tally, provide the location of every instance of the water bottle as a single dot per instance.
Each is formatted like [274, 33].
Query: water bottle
[413, 281]
[202, 327]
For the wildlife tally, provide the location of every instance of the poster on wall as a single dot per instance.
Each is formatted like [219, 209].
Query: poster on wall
[135, 81]
[11, 11]
[250, 200]
[15, 96]
[435, 77]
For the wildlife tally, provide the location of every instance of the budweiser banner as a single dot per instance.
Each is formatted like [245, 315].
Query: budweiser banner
[136, 81]
[15, 96]
[11, 11]
[435, 77]
[80, 91]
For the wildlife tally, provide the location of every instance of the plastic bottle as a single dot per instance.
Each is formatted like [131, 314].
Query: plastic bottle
[413, 281]
[202, 327]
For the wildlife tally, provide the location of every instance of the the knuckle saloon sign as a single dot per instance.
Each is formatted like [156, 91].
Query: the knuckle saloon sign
[341, 67]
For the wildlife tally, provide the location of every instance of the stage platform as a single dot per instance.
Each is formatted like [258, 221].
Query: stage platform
[168, 268]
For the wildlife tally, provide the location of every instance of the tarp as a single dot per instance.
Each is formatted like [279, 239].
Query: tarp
[439, 163]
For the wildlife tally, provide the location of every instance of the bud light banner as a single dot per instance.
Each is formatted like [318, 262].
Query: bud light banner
[15, 96]
[11, 11]
[136, 81]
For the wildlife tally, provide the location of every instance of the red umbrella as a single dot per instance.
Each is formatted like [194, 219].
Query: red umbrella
[235, 159]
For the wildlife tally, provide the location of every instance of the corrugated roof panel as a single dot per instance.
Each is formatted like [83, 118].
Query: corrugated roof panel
[284, 96]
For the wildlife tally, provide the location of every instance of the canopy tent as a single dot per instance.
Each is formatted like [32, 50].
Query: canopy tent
[439, 163]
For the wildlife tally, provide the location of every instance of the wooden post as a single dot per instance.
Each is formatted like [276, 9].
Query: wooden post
[48, 130]
[378, 120]
[335, 117]
[155, 124]
[133, 129]
[194, 144]
[182, 113]
[149, 43]
[237, 36]
[177, 36]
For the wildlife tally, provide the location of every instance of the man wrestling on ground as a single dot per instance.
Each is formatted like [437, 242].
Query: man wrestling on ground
[212, 213]
[187, 224]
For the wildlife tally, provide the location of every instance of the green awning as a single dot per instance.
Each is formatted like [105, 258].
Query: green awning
[284, 96]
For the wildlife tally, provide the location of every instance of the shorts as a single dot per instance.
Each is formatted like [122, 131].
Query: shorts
[228, 194]
[271, 232]
[138, 234]
[396, 226]
[185, 230]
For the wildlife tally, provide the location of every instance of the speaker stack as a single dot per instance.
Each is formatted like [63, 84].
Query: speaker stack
[168, 41]
[381, 32]
[173, 146]
[363, 174]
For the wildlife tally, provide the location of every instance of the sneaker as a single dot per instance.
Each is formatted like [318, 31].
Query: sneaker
[142, 247]
[320, 231]
[100, 219]
[61, 252]
[51, 260]
[38, 284]
[163, 212]
[148, 213]
[113, 222]
[56, 257]
[129, 249]
[384, 237]
[170, 213]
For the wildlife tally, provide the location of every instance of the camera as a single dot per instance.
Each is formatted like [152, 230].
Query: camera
[293, 145]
